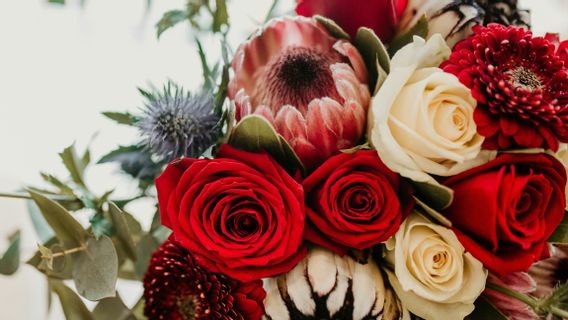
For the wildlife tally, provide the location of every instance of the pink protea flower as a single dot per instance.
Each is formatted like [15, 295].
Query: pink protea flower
[309, 85]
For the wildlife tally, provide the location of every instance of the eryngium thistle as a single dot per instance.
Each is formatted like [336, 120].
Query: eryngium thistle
[176, 124]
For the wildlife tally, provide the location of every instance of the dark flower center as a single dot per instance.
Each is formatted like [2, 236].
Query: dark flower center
[524, 78]
[295, 77]
[187, 307]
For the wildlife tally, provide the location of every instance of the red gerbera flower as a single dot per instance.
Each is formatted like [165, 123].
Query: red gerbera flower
[176, 288]
[520, 83]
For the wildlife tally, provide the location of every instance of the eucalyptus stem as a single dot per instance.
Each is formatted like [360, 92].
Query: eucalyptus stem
[559, 312]
[14, 196]
[533, 303]
[69, 251]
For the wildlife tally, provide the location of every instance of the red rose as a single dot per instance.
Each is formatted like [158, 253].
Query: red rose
[504, 211]
[380, 15]
[240, 214]
[354, 201]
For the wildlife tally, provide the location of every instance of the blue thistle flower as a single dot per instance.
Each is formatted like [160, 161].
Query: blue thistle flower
[176, 124]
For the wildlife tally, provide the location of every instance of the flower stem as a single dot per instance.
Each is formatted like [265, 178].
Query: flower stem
[533, 303]
[559, 312]
[14, 196]
[68, 251]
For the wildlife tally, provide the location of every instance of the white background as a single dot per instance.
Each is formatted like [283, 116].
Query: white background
[61, 66]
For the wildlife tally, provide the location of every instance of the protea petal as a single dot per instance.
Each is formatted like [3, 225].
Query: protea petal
[308, 84]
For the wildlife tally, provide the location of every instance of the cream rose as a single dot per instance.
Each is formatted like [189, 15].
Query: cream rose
[433, 275]
[421, 119]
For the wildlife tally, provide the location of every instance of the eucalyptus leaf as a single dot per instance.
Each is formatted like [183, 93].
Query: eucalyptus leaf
[96, 269]
[419, 29]
[485, 310]
[121, 230]
[254, 133]
[436, 196]
[112, 308]
[560, 235]
[10, 261]
[73, 306]
[66, 228]
[73, 164]
[144, 249]
[170, 19]
[374, 54]
[121, 117]
[42, 229]
[332, 27]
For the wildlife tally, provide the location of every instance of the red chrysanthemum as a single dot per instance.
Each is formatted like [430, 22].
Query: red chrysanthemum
[520, 83]
[176, 288]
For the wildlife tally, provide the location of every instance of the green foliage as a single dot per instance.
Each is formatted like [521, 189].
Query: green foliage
[73, 306]
[10, 260]
[112, 308]
[254, 133]
[96, 269]
[121, 117]
[332, 27]
[122, 231]
[375, 56]
[170, 19]
[436, 196]
[419, 29]
[216, 15]
[137, 162]
[485, 310]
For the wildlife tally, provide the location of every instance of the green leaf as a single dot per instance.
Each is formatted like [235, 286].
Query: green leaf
[122, 231]
[121, 117]
[485, 310]
[56, 1]
[66, 228]
[96, 269]
[73, 164]
[10, 261]
[440, 218]
[170, 19]
[112, 308]
[254, 133]
[42, 229]
[374, 54]
[221, 93]
[144, 249]
[207, 81]
[419, 29]
[63, 188]
[364, 146]
[73, 306]
[332, 27]
[560, 235]
[436, 196]
[221, 16]
[381, 77]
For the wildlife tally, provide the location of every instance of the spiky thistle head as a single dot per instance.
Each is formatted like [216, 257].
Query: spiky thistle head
[176, 124]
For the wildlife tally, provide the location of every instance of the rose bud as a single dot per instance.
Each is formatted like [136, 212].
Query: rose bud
[380, 15]
[453, 19]
[309, 85]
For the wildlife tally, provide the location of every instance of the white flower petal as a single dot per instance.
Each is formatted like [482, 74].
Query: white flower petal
[321, 270]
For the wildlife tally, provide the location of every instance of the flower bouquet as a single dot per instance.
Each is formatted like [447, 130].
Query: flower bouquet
[359, 160]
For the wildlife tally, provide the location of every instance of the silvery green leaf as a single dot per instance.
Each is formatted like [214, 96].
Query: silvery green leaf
[374, 54]
[73, 306]
[121, 117]
[122, 231]
[332, 27]
[10, 260]
[96, 269]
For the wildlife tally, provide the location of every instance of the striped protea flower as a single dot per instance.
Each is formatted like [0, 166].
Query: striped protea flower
[177, 288]
[455, 18]
[309, 85]
[176, 124]
[327, 286]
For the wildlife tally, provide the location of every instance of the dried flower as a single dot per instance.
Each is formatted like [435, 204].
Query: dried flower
[176, 124]
[521, 86]
[455, 18]
[176, 288]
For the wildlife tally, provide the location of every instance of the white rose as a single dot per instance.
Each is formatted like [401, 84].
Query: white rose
[433, 275]
[421, 120]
